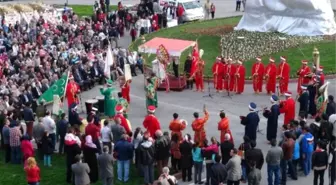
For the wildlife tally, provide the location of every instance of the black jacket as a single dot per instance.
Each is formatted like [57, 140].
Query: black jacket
[186, 155]
[218, 174]
[146, 153]
[36, 93]
[162, 148]
[255, 154]
[71, 152]
[74, 118]
[304, 100]
[62, 127]
[319, 159]
[187, 66]
[331, 108]
[226, 148]
[47, 146]
[28, 114]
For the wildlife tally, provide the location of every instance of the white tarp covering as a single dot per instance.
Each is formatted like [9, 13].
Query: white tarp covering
[293, 17]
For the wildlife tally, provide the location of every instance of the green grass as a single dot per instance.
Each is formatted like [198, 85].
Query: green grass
[86, 10]
[211, 44]
[56, 175]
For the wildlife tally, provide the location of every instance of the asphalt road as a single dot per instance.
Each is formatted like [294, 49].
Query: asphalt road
[187, 102]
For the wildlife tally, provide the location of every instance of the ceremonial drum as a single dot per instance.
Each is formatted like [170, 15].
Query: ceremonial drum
[101, 101]
[89, 104]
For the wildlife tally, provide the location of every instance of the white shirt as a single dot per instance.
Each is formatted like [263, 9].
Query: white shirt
[130, 59]
[106, 134]
[49, 124]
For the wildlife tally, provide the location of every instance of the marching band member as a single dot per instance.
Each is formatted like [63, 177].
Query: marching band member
[251, 122]
[176, 126]
[239, 78]
[229, 75]
[72, 91]
[312, 91]
[257, 75]
[195, 57]
[123, 102]
[123, 121]
[272, 116]
[150, 93]
[320, 74]
[109, 101]
[283, 75]
[303, 75]
[125, 91]
[270, 76]
[198, 126]
[198, 73]
[74, 118]
[224, 127]
[288, 108]
[151, 123]
[217, 70]
[304, 101]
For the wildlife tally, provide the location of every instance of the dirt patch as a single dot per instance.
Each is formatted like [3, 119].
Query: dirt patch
[214, 31]
[329, 37]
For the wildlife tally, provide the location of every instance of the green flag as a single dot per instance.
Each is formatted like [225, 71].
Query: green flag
[57, 88]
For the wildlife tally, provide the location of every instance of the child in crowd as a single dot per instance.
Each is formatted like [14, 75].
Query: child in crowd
[47, 149]
[319, 162]
[32, 172]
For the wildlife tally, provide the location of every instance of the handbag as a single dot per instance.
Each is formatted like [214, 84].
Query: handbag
[241, 152]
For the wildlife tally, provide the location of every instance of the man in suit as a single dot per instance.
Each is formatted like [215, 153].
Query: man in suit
[78, 77]
[97, 72]
[304, 101]
[81, 171]
[105, 164]
[87, 79]
[26, 97]
[45, 85]
[28, 117]
[36, 90]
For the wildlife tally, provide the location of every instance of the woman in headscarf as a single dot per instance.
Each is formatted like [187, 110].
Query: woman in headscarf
[89, 151]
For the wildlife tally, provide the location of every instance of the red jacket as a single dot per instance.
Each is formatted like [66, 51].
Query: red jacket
[180, 11]
[92, 130]
[32, 174]
[123, 122]
[27, 149]
[152, 124]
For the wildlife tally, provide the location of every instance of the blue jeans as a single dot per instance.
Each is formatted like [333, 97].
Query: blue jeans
[148, 171]
[307, 163]
[47, 160]
[16, 154]
[244, 175]
[273, 169]
[198, 167]
[123, 166]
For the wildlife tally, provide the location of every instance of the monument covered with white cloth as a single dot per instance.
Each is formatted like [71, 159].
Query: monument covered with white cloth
[293, 17]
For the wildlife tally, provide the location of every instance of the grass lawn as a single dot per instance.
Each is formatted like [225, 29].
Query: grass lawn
[210, 43]
[86, 10]
[55, 175]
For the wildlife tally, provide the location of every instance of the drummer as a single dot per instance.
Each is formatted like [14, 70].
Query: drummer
[95, 116]
[123, 102]
[109, 101]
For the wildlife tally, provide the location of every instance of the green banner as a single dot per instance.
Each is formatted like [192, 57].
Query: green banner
[58, 88]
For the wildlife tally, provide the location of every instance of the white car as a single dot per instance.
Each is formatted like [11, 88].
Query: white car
[193, 10]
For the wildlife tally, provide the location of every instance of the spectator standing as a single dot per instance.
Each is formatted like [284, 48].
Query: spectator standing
[105, 164]
[140, 63]
[238, 2]
[254, 154]
[131, 61]
[137, 139]
[50, 127]
[62, 127]
[244, 4]
[14, 142]
[207, 9]
[175, 152]
[198, 163]
[295, 159]
[32, 171]
[28, 116]
[93, 130]
[286, 162]
[166, 179]
[218, 172]
[47, 149]
[26, 148]
[117, 130]
[186, 158]
[332, 163]
[180, 12]
[319, 163]
[307, 148]
[81, 172]
[209, 153]
[212, 10]
[243, 148]
[162, 150]
[254, 177]
[331, 106]
[124, 153]
[106, 136]
[89, 152]
[6, 138]
[147, 158]
[233, 168]
[72, 149]
[226, 148]
[273, 157]
[38, 132]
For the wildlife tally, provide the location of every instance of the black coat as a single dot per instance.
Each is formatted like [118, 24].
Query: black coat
[255, 154]
[218, 174]
[304, 100]
[91, 159]
[312, 93]
[331, 108]
[93, 69]
[35, 92]
[272, 116]
[28, 114]
[226, 148]
[187, 66]
[162, 148]
[74, 118]
[71, 152]
[251, 122]
[146, 153]
[47, 146]
[186, 155]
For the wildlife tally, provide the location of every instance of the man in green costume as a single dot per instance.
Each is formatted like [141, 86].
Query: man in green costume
[155, 82]
[123, 102]
[109, 101]
[150, 93]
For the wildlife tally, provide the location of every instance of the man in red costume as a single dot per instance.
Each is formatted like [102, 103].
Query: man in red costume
[123, 120]
[195, 57]
[239, 78]
[176, 126]
[283, 75]
[198, 75]
[302, 74]
[224, 127]
[257, 75]
[270, 76]
[229, 75]
[198, 126]
[288, 108]
[125, 91]
[321, 75]
[72, 91]
[151, 123]
[217, 71]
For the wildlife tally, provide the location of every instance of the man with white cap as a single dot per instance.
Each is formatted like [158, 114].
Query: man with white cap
[272, 116]
[288, 108]
[257, 75]
[151, 123]
[283, 75]
[229, 74]
[302, 73]
[251, 122]
[72, 90]
[120, 115]
[109, 101]
[239, 77]
[217, 71]
[304, 101]
[270, 76]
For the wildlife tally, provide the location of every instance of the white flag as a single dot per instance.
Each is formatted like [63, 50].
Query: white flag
[108, 62]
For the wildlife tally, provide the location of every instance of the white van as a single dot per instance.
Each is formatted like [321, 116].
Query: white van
[193, 10]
